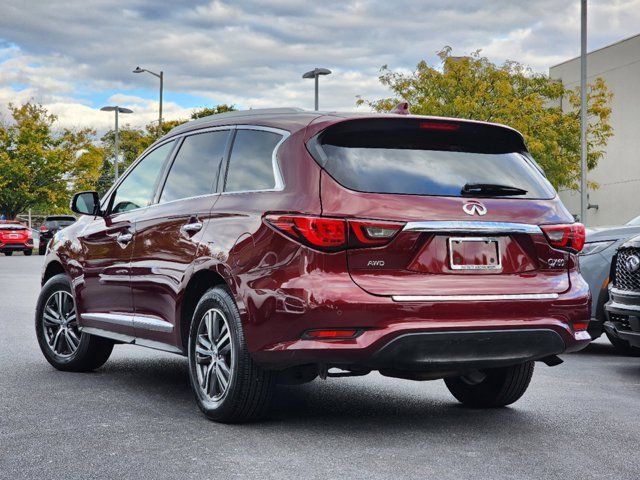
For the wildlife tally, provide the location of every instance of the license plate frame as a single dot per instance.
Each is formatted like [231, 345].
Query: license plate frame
[472, 267]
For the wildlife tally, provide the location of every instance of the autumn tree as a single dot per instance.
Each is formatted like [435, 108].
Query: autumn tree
[40, 163]
[542, 109]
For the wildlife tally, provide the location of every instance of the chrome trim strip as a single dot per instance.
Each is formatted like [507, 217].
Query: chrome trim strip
[474, 298]
[457, 226]
[114, 318]
[154, 324]
[158, 346]
[145, 322]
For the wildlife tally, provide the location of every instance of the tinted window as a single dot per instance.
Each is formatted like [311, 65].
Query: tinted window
[408, 158]
[136, 190]
[250, 166]
[197, 165]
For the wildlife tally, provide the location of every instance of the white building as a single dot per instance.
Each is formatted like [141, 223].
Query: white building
[618, 173]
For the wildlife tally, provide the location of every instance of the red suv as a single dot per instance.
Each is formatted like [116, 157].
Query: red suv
[281, 245]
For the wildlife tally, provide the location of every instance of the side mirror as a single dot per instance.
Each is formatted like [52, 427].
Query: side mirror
[86, 203]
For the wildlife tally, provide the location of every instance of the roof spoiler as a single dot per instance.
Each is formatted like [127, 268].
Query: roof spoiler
[401, 109]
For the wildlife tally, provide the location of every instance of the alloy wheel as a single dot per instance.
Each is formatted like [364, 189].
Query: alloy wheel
[214, 354]
[60, 324]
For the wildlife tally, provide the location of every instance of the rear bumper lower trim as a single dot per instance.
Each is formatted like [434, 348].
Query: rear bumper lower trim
[474, 298]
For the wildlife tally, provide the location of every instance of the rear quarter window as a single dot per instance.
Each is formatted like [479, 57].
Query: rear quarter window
[251, 162]
[419, 157]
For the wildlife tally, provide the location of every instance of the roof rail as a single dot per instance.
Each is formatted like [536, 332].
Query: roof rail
[236, 114]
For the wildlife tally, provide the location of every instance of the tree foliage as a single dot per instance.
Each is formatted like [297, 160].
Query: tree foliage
[41, 165]
[542, 109]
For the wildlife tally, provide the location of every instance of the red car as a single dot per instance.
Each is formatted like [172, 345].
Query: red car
[282, 245]
[15, 237]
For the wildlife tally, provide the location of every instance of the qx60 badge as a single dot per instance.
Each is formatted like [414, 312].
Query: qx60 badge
[473, 207]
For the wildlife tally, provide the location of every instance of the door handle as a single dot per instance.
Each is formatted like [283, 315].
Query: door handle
[124, 238]
[193, 227]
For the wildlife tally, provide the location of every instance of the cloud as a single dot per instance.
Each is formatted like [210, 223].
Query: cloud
[252, 53]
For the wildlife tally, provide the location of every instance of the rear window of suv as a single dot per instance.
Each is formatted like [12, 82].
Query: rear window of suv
[427, 157]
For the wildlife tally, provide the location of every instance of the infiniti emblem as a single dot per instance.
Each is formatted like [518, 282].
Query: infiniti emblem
[474, 207]
[633, 263]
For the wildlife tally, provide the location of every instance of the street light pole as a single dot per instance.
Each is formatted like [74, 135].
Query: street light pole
[315, 74]
[583, 112]
[161, 77]
[116, 141]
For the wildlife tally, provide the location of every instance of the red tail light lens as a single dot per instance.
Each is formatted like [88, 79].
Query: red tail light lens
[331, 234]
[566, 237]
[321, 232]
[43, 228]
[449, 127]
[342, 333]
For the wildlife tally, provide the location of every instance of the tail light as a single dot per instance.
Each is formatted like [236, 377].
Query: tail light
[332, 234]
[568, 237]
[339, 334]
[43, 228]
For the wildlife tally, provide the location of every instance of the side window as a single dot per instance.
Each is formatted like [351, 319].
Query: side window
[196, 168]
[250, 166]
[136, 190]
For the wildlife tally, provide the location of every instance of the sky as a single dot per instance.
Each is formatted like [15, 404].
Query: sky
[75, 56]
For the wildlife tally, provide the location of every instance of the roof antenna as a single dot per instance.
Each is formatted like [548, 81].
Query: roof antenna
[401, 109]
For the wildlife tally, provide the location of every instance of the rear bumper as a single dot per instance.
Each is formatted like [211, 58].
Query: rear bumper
[466, 350]
[15, 247]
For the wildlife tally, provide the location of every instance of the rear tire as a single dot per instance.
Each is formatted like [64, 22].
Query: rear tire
[501, 386]
[62, 344]
[42, 250]
[28, 252]
[229, 387]
[8, 254]
[623, 346]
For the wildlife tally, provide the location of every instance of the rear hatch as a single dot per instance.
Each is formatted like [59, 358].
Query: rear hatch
[464, 202]
[13, 234]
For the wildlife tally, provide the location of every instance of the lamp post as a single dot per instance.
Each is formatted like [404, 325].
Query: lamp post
[161, 77]
[315, 74]
[583, 113]
[116, 142]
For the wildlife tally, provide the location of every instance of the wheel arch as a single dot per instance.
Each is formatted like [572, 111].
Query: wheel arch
[53, 268]
[198, 284]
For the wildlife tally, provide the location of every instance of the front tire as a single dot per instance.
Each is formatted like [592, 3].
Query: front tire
[28, 252]
[61, 342]
[499, 387]
[229, 387]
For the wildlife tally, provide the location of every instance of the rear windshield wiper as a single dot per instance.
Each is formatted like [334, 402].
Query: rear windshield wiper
[490, 189]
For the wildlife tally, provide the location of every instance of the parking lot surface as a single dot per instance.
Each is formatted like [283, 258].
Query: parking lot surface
[136, 418]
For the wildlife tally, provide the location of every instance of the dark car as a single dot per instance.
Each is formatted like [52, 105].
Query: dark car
[623, 308]
[50, 226]
[15, 237]
[281, 245]
[600, 245]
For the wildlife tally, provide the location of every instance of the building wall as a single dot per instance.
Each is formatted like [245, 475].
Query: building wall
[618, 173]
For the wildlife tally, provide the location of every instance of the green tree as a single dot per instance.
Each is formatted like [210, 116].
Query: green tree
[206, 111]
[40, 163]
[472, 87]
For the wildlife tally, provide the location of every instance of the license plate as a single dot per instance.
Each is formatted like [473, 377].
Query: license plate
[474, 253]
[14, 235]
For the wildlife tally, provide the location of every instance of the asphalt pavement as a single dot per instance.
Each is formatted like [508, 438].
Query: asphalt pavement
[136, 418]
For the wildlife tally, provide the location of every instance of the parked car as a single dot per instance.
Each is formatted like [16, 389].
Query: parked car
[282, 245]
[50, 226]
[623, 308]
[601, 244]
[15, 237]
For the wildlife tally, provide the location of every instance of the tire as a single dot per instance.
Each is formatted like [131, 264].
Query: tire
[28, 252]
[42, 250]
[8, 254]
[623, 346]
[249, 388]
[500, 387]
[57, 331]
